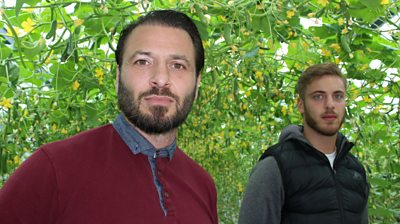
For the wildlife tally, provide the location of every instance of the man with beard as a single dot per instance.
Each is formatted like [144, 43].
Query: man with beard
[130, 171]
[310, 176]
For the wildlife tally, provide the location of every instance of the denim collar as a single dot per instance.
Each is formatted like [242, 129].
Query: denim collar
[139, 144]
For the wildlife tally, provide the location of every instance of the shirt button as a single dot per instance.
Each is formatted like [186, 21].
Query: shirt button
[166, 194]
[158, 172]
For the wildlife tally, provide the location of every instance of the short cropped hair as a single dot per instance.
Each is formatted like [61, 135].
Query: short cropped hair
[316, 71]
[168, 18]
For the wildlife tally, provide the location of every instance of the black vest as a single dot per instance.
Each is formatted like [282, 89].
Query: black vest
[316, 193]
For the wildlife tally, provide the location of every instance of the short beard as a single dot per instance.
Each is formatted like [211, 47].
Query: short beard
[156, 122]
[313, 125]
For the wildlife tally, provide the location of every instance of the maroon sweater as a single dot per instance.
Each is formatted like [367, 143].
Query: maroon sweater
[94, 178]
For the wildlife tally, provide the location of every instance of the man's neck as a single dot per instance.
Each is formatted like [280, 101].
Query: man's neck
[323, 143]
[160, 141]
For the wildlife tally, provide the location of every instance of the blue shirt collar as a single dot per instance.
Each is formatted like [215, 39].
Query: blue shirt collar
[139, 144]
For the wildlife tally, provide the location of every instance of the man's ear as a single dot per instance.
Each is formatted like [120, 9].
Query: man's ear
[117, 77]
[198, 81]
[300, 105]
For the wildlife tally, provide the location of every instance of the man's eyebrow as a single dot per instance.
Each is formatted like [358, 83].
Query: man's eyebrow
[139, 52]
[317, 91]
[180, 57]
[324, 92]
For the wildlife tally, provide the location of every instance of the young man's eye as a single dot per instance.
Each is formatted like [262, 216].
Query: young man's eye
[318, 97]
[339, 96]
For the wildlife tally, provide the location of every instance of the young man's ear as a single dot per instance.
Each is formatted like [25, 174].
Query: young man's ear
[300, 105]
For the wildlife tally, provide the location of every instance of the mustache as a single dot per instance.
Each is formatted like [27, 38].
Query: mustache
[330, 112]
[159, 92]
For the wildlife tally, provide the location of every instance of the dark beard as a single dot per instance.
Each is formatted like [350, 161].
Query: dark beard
[313, 124]
[156, 122]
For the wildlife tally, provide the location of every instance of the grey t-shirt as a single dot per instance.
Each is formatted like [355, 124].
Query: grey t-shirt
[264, 196]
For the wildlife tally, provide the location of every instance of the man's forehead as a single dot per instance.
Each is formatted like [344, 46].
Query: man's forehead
[327, 82]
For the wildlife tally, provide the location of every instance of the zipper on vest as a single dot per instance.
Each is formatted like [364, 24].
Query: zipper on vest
[339, 197]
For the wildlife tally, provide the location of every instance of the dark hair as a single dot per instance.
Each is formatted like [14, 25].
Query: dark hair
[169, 18]
[316, 71]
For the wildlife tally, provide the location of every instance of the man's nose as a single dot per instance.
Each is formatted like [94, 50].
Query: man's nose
[160, 77]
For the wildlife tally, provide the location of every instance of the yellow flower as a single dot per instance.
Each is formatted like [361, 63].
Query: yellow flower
[6, 103]
[310, 15]
[340, 21]
[75, 85]
[234, 49]
[48, 59]
[344, 31]
[99, 75]
[240, 187]
[290, 14]
[337, 60]
[385, 2]
[323, 2]
[284, 110]
[223, 18]
[364, 67]
[325, 52]
[335, 47]
[78, 22]
[367, 99]
[17, 160]
[259, 76]
[64, 131]
[28, 9]
[305, 45]
[248, 93]
[316, 38]
[54, 127]
[28, 25]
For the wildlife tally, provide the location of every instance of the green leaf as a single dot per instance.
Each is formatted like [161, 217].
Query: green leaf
[5, 52]
[13, 73]
[367, 14]
[227, 33]
[63, 75]
[345, 43]
[372, 4]
[32, 49]
[263, 23]
[92, 113]
[324, 31]
[20, 3]
[202, 29]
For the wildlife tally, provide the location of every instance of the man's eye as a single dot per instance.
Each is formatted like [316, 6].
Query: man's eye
[142, 62]
[339, 96]
[178, 66]
[318, 97]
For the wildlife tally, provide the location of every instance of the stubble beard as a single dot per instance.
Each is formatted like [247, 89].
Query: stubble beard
[313, 124]
[156, 121]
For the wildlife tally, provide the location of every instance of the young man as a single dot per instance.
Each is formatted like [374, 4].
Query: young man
[130, 171]
[310, 176]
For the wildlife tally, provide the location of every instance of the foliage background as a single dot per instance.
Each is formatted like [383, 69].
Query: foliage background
[57, 77]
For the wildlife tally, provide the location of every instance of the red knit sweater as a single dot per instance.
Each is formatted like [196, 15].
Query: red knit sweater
[93, 177]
